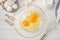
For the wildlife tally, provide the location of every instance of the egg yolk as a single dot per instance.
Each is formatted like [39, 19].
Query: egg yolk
[25, 23]
[34, 17]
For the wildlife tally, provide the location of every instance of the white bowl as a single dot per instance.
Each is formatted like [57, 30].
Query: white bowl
[42, 26]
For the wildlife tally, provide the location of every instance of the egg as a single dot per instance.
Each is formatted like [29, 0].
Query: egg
[34, 17]
[9, 9]
[31, 22]
[9, 3]
[15, 6]
[25, 23]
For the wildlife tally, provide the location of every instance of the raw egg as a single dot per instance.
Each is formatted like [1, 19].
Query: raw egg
[33, 17]
[25, 23]
[31, 22]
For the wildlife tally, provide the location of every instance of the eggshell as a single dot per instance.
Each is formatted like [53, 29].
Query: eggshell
[15, 6]
[6, 5]
[9, 3]
[9, 9]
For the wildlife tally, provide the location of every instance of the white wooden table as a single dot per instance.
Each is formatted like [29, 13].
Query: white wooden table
[8, 33]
